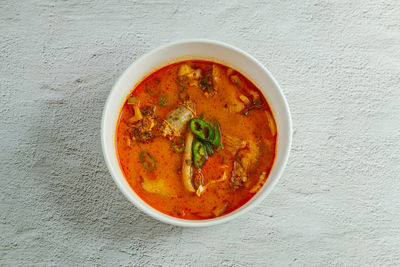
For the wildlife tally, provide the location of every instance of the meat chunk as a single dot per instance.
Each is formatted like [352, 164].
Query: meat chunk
[233, 144]
[217, 76]
[187, 76]
[246, 155]
[211, 81]
[141, 131]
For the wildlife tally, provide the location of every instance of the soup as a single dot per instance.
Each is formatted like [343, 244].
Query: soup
[196, 140]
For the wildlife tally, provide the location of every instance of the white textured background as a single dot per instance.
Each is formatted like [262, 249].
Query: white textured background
[338, 202]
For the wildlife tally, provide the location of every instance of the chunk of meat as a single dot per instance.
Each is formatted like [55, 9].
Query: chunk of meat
[239, 175]
[233, 144]
[198, 178]
[218, 74]
[206, 84]
[249, 157]
[245, 161]
[141, 131]
[187, 76]
[212, 81]
[147, 123]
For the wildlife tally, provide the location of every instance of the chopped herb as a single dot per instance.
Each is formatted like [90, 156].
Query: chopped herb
[162, 101]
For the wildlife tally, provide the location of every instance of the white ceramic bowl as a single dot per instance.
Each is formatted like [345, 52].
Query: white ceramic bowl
[202, 50]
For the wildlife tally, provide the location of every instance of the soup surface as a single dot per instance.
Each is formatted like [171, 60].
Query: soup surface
[196, 140]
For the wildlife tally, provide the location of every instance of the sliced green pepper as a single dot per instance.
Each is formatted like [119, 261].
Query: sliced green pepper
[209, 149]
[202, 129]
[148, 162]
[162, 101]
[199, 153]
[132, 100]
[178, 145]
[217, 135]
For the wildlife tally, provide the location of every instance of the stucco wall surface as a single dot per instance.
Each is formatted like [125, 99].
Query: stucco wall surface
[338, 201]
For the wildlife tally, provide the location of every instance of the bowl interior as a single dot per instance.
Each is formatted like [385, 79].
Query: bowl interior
[200, 50]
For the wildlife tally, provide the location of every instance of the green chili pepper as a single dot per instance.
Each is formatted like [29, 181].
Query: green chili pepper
[132, 100]
[217, 135]
[199, 153]
[202, 129]
[162, 101]
[179, 146]
[209, 149]
[148, 162]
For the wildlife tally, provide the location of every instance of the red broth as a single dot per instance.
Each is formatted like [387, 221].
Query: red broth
[155, 122]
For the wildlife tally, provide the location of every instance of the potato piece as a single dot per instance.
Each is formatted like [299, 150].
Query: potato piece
[158, 186]
[184, 69]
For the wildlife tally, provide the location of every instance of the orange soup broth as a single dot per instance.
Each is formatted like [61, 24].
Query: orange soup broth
[179, 202]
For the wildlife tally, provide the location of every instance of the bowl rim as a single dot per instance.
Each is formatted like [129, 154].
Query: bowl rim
[253, 202]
